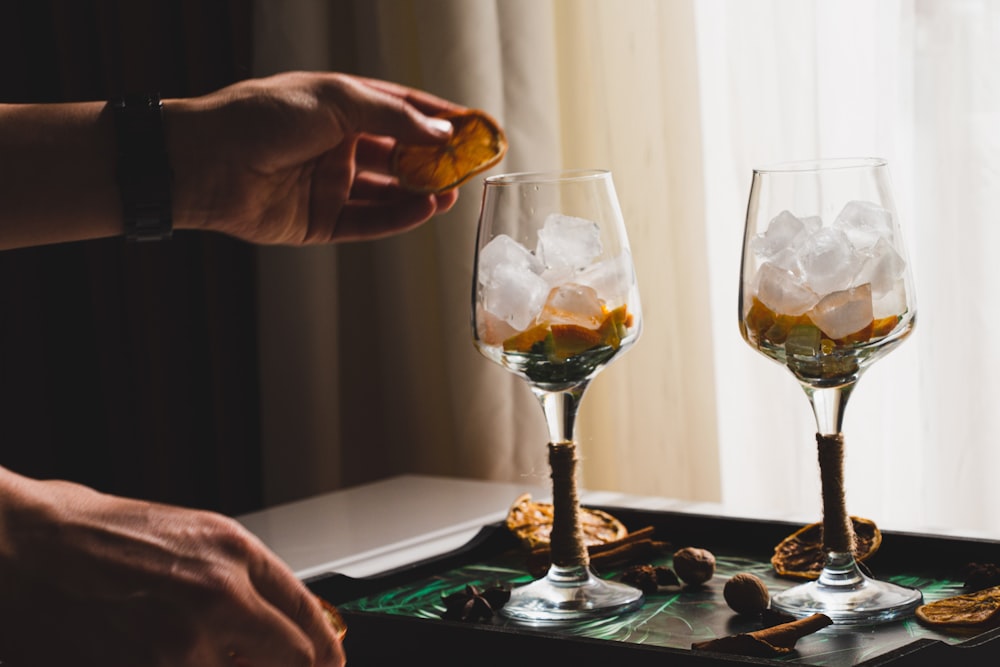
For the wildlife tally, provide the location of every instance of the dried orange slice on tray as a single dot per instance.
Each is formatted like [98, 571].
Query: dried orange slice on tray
[477, 143]
[801, 555]
[969, 611]
[531, 523]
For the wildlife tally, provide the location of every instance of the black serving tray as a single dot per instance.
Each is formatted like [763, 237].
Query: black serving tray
[395, 617]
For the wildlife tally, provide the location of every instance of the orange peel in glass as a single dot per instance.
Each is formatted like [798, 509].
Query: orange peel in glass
[525, 340]
[563, 341]
[765, 325]
[801, 554]
[476, 144]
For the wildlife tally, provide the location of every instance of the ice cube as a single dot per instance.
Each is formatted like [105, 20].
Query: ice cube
[864, 223]
[504, 250]
[573, 304]
[828, 261]
[611, 278]
[565, 241]
[882, 268]
[784, 231]
[559, 275]
[787, 260]
[812, 223]
[843, 313]
[891, 303]
[491, 329]
[515, 294]
[782, 291]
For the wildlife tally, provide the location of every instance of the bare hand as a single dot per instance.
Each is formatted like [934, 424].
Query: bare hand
[92, 579]
[301, 158]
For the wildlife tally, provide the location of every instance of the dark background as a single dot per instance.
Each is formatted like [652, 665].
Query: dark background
[130, 367]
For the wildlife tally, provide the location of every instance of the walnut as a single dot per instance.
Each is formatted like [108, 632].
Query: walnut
[694, 566]
[746, 594]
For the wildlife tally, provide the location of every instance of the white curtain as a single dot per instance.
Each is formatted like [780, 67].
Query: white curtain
[680, 99]
[915, 82]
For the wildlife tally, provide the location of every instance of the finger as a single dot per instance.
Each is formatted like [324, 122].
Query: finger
[446, 200]
[376, 207]
[368, 220]
[378, 187]
[365, 108]
[266, 637]
[374, 186]
[282, 589]
[424, 101]
[374, 154]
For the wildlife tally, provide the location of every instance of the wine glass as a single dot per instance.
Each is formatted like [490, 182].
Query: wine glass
[826, 289]
[554, 300]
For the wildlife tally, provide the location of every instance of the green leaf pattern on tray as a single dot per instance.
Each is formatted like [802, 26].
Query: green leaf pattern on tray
[675, 616]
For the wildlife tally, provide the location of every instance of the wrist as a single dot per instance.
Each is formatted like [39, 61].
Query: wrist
[186, 145]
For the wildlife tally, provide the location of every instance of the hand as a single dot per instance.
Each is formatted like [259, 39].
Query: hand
[301, 158]
[92, 579]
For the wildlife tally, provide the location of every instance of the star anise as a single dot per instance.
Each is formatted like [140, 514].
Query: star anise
[474, 605]
[648, 578]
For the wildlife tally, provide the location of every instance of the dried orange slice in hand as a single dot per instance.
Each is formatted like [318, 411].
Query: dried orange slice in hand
[970, 611]
[531, 522]
[333, 617]
[801, 555]
[477, 143]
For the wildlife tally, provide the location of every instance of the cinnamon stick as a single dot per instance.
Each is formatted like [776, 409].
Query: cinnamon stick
[645, 533]
[776, 640]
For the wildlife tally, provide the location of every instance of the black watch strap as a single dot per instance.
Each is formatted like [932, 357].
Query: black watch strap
[143, 167]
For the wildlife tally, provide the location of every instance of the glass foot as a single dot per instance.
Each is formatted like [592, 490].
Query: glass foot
[566, 595]
[848, 596]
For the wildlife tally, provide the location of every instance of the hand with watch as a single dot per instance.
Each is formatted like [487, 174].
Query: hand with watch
[294, 159]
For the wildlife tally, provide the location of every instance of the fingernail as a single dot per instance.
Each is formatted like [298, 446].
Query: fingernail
[439, 126]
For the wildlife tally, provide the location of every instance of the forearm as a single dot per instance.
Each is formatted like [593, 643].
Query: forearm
[58, 166]
[57, 174]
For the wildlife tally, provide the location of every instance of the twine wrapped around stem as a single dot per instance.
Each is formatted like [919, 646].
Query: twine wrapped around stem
[566, 541]
[838, 530]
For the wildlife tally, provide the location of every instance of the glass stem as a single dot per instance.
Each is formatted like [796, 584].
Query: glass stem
[838, 530]
[569, 556]
[560, 408]
[828, 405]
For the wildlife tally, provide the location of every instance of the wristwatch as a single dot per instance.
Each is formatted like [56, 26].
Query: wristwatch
[144, 173]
